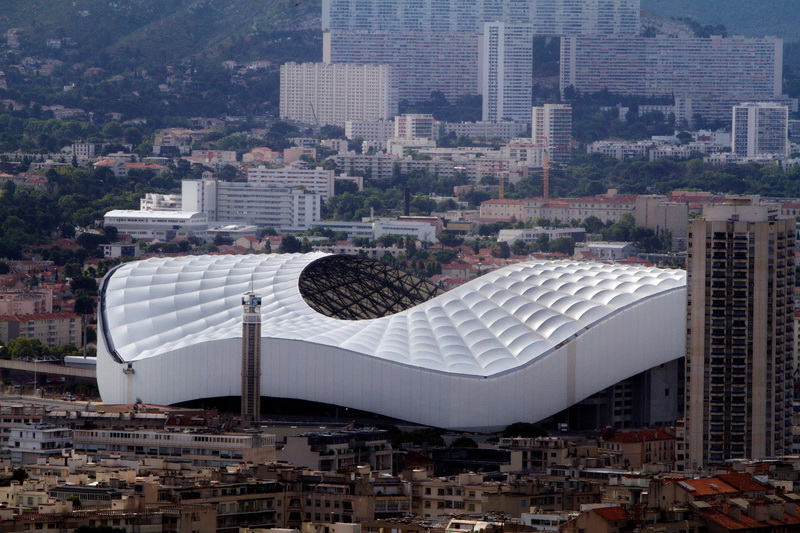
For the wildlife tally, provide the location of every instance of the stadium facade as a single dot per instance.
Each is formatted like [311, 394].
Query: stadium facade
[518, 344]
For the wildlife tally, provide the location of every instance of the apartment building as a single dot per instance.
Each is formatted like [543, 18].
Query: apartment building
[606, 208]
[318, 181]
[760, 129]
[283, 208]
[201, 449]
[378, 166]
[502, 130]
[707, 76]
[162, 225]
[325, 93]
[52, 329]
[415, 126]
[551, 128]
[27, 444]
[26, 302]
[380, 130]
[506, 71]
[434, 44]
[337, 450]
[740, 333]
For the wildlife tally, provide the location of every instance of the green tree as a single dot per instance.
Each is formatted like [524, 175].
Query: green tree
[290, 245]
[21, 348]
[4, 268]
[464, 442]
[112, 130]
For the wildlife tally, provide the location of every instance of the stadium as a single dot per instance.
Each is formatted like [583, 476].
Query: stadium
[521, 343]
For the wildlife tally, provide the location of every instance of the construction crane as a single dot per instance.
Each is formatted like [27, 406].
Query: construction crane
[546, 174]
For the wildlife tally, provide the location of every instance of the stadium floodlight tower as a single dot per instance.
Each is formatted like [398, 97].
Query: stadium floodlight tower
[251, 357]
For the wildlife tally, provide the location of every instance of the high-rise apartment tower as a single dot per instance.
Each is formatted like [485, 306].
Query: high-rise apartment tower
[551, 128]
[760, 128]
[251, 357]
[740, 334]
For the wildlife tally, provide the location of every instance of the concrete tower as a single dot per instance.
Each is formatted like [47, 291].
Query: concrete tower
[740, 334]
[251, 357]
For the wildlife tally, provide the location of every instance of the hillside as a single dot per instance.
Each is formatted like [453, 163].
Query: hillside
[159, 31]
[745, 17]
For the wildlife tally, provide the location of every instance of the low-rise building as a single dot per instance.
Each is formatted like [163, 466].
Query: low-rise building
[162, 225]
[527, 235]
[28, 444]
[52, 329]
[339, 450]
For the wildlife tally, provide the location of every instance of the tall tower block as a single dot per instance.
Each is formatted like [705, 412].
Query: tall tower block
[251, 357]
[740, 334]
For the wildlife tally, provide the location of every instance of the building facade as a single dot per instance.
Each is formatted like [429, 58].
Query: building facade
[740, 333]
[706, 76]
[324, 93]
[551, 127]
[760, 128]
[162, 225]
[434, 44]
[283, 208]
[317, 180]
[506, 71]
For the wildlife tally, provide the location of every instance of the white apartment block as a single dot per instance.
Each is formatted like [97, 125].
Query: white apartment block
[282, 208]
[531, 234]
[369, 131]
[760, 128]
[415, 126]
[421, 230]
[161, 225]
[200, 449]
[434, 43]
[506, 71]
[550, 17]
[378, 166]
[505, 131]
[707, 76]
[28, 444]
[318, 180]
[160, 202]
[551, 127]
[323, 93]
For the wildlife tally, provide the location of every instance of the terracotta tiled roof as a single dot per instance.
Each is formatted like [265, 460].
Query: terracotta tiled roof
[612, 514]
[742, 481]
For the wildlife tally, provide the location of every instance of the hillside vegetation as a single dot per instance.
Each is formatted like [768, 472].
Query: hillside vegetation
[157, 31]
[743, 17]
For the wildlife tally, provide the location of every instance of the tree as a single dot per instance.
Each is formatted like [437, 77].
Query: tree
[22, 348]
[133, 136]
[564, 245]
[450, 239]
[111, 233]
[84, 285]
[4, 268]
[84, 305]
[464, 442]
[290, 245]
[112, 130]
[502, 250]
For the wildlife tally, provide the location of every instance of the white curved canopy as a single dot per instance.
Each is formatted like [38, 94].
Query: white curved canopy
[183, 315]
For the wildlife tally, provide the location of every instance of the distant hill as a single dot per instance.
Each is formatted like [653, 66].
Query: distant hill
[158, 31]
[754, 18]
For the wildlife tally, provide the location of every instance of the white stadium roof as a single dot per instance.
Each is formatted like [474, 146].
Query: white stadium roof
[517, 344]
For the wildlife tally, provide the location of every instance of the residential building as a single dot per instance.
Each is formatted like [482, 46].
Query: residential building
[608, 251]
[531, 234]
[660, 214]
[162, 225]
[506, 71]
[26, 301]
[175, 141]
[325, 93]
[380, 130]
[30, 443]
[120, 249]
[760, 129]
[52, 329]
[502, 130]
[551, 127]
[415, 126]
[707, 76]
[337, 450]
[740, 332]
[282, 208]
[434, 44]
[653, 448]
[160, 202]
[378, 166]
[318, 180]
[201, 449]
